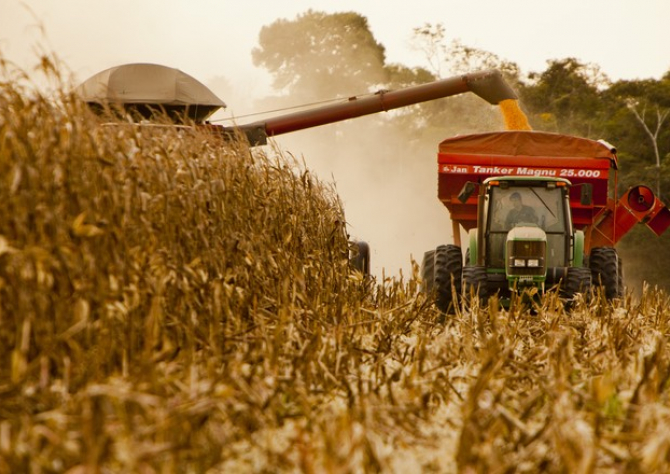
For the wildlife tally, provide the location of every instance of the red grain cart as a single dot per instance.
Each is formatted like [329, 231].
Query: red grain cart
[572, 183]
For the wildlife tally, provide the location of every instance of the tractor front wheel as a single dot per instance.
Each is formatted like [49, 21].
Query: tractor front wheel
[578, 280]
[475, 283]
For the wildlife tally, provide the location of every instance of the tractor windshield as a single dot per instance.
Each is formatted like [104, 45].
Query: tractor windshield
[527, 206]
[523, 206]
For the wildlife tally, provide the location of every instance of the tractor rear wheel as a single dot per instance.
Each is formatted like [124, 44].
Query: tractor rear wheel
[607, 270]
[441, 273]
[578, 280]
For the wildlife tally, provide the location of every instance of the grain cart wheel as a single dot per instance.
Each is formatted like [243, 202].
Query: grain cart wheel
[475, 284]
[359, 257]
[440, 270]
[607, 270]
[578, 280]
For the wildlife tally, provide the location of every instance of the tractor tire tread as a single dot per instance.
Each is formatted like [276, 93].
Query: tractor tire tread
[607, 270]
[448, 266]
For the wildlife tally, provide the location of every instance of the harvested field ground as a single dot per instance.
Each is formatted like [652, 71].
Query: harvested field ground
[170, 303]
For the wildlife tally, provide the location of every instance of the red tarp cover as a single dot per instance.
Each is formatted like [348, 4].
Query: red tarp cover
[527, 143]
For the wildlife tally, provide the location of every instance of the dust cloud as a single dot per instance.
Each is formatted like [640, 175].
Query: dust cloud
[389, 193]
[386, 178]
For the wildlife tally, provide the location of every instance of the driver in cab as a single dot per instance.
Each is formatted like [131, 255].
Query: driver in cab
[519, 212]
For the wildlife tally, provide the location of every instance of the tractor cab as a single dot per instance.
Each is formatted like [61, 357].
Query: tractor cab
[526, 230]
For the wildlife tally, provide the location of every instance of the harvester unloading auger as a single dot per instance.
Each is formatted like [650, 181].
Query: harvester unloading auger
[489, 85]
[546, 212]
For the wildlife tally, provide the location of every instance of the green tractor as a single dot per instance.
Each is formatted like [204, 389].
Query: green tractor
[527, 239]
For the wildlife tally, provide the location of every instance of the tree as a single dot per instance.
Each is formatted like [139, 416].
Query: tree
[320, 55]
[466, 113]
[648, 102]
[652, 131]
[453, 57]
[565, 98]
[399, 76]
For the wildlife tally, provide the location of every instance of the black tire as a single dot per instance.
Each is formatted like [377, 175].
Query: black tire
[607, 270]
[359, 257]
[441, 273]
[578, 280]
[475, 283]
[427, 271]
[448, 272]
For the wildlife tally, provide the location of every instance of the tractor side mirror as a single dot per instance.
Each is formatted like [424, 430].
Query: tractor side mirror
[586, 194]
[466, 192]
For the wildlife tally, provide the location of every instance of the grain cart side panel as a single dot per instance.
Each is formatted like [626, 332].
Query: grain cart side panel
[524, 153]
[456, 170]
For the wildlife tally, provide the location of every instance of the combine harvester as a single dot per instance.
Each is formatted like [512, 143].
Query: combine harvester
[540, 209]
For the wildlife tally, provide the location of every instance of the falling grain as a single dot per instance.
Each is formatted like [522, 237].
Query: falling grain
[513, 116]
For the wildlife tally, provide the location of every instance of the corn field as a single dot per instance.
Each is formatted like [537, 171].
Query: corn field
[172, 303]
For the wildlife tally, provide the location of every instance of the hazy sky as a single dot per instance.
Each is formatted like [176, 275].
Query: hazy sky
[207, 38]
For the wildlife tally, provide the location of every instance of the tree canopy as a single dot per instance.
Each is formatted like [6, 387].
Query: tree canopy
[322, 55]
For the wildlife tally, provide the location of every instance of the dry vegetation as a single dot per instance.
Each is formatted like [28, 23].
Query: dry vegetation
[169, 303]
